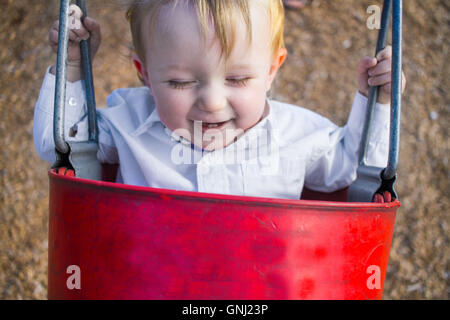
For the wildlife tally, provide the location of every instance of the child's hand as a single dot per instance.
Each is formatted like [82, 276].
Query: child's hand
[377, 72]
[85, 30]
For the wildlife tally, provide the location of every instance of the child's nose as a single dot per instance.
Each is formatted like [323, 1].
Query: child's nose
[212, 100]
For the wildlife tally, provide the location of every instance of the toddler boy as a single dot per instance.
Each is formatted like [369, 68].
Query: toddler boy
[203, 121]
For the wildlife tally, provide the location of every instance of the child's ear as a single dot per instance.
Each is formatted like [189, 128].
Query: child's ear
[142, 71]
[277, 62]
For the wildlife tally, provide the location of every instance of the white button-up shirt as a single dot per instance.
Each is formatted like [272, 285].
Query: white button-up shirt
[290, 148]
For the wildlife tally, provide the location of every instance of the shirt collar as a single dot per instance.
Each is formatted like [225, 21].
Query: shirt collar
[148, 123]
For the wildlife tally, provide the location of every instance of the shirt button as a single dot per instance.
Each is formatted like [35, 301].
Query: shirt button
[72, 102]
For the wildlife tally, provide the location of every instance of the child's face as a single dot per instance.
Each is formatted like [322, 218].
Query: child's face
[194, 86]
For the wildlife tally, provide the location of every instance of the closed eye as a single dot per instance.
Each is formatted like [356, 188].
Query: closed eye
[176, 84]
[240, 82]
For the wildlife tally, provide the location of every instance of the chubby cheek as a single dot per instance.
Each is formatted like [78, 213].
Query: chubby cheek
[249, 107]
[172, 107]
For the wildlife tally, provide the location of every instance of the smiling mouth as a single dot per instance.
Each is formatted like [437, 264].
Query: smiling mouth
[213, 125]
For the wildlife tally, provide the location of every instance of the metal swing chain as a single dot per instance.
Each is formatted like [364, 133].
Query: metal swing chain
[374, 183]
[78, 156]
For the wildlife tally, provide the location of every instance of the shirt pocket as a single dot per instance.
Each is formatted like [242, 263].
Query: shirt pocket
[282, 179]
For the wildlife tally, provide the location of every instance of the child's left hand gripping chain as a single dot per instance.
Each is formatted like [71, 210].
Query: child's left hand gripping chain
[377, 72]
[79, 30]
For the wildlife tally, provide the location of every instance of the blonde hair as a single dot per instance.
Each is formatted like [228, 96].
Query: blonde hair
[223, 13]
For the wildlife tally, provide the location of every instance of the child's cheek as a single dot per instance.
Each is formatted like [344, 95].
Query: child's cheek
[249, 105]
[173, 107]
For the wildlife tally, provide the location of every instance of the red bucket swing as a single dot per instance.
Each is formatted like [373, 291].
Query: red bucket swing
[114, 241]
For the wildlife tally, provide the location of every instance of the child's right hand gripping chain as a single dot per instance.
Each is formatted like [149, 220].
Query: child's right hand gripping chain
[79, 30]
[377, 72]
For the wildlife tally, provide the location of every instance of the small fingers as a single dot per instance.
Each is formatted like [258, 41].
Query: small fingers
[80, 34]
[92, 25]
[94, 29]
[382, 67]
[387, 86]
[380, 80]
[366, 63]
[55, 25]
[74, 37]
[53, 33]
[53, 36]
[75, 24]
[386, 53]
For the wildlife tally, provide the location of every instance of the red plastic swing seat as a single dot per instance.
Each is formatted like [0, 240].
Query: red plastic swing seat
[132, 242]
